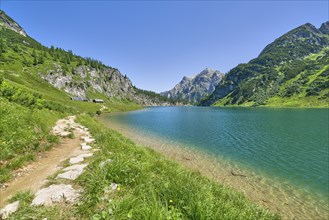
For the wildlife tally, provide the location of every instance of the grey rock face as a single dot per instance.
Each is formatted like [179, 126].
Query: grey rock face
[108, 81]
[195, 88]
[324, 28]
[7, 22]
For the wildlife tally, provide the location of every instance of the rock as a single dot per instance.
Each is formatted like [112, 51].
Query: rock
[195, 88]
[55, 194]
[76, 167]
[325, 28]
[78, 159]
[103, 163]
[64, 133]
[9, 209]
[74, 160]
[8, 23]
[72, 172]
[87, 139]
[79, 130]
[85, 155]
[84, 146]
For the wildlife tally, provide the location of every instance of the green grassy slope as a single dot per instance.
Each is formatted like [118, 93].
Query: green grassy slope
[302, 83]
[290, 72]
[17, 56]
[23, 132]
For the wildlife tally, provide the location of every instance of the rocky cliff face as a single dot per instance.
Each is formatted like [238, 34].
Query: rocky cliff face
[7, 22]
[85, 80]
[195, 88]
[81, 77]
[324, 28]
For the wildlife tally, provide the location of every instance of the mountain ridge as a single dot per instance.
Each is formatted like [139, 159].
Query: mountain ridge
[77, 76]
[193, 89]
[284, 71]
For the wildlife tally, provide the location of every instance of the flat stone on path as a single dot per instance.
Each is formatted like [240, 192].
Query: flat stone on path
[54, 194]
[87, 139]
[85, 146]
[72, 172]
[74, 160]
[9, 209]
[79, 158]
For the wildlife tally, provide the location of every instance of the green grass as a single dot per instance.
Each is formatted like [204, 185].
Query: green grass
[150, 187]
[23, 132]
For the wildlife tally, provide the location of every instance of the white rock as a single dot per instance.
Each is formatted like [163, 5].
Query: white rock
[74, 160]
[64, 133]
[79, 130]
[76, 167]
[89, 140]
[87, 147]
[72, 172]
[70, 175]
[9, 209]
[85, 155]
[54, 194]
[84, 146]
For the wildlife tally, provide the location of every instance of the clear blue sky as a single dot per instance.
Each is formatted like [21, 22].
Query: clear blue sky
[156, 43]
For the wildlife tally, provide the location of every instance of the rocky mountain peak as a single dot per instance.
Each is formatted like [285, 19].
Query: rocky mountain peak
[206, 71]
[9, 23]
[195, 88]
[324, 28]
[185, 79]
[300, 38]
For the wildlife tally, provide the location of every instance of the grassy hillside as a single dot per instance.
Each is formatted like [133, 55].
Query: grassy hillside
[301, 83]
[290, 72]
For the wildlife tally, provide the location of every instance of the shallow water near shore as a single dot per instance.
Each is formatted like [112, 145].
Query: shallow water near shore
[281, 154]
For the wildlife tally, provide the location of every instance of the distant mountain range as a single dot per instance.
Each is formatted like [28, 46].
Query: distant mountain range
[195, 88]
[291, 71]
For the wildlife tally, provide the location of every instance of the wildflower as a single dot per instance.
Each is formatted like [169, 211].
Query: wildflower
[170, 201]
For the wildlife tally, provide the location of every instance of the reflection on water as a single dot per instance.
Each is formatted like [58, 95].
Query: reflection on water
[282, 152]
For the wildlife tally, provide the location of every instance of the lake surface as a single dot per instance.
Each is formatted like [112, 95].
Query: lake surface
[287, 145]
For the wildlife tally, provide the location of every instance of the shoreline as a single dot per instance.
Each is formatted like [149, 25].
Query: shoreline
[286, 201]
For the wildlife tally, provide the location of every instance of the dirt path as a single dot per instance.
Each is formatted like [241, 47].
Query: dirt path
[46, 165]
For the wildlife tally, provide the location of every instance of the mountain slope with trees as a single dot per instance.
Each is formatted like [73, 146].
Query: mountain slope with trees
[22, 57]
[291, 71]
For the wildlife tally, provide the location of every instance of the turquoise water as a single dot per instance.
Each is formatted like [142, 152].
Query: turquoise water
[290, 145]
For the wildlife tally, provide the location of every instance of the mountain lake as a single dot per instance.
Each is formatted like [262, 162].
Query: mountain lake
[276, 156]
